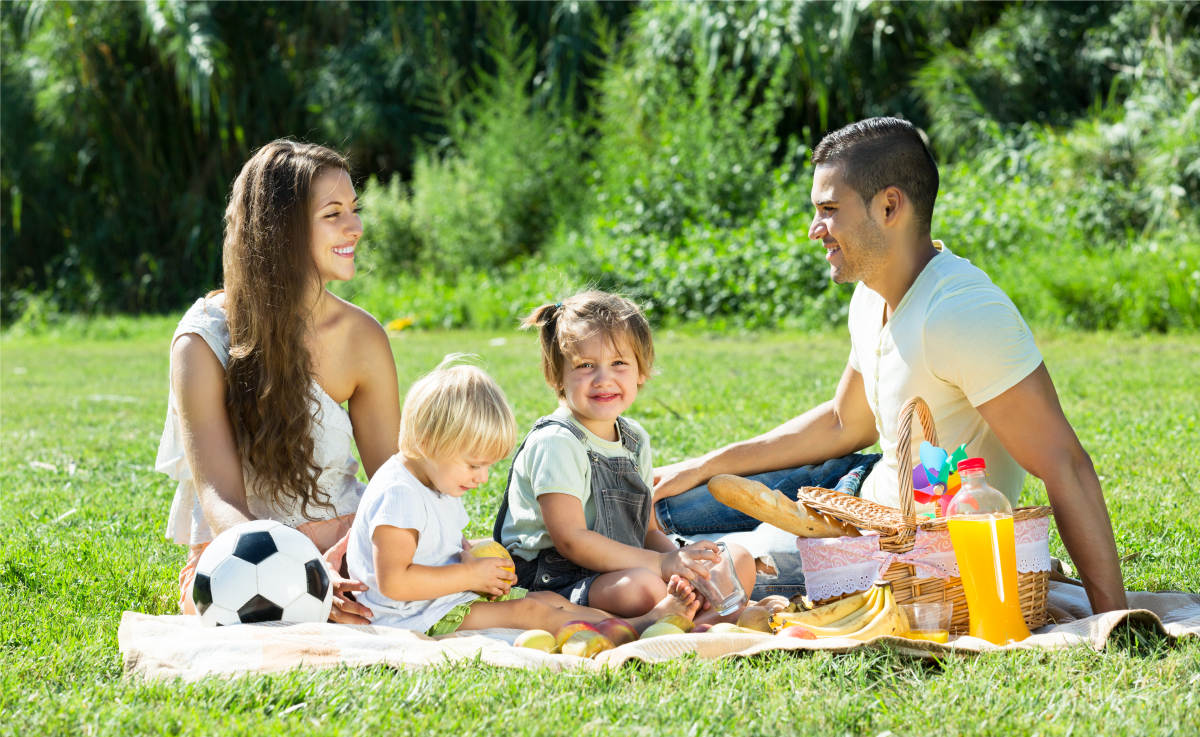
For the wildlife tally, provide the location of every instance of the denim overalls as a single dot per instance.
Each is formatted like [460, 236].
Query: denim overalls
[622, 502]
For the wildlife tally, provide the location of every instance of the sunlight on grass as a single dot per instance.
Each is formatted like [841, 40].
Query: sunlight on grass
[93, 409]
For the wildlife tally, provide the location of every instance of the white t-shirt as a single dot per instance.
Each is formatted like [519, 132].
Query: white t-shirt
[553, 461]
[956, 340]
[395, 497]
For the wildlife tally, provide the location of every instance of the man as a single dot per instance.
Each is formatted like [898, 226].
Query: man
[923, 322]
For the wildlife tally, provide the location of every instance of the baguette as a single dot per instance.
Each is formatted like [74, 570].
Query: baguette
[771, 506]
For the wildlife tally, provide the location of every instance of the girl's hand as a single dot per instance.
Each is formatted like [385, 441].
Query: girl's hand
[687, 562]
[345, 609]
[489, 576]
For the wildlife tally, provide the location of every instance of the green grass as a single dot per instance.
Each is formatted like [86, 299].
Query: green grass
[99, 403]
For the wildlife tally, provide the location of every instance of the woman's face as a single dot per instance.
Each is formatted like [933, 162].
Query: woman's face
[336, 225]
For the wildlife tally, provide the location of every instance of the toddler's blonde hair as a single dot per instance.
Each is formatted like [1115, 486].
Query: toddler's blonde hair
[456, 411]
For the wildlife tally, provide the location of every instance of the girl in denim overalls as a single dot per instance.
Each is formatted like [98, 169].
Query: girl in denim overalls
[576, 513]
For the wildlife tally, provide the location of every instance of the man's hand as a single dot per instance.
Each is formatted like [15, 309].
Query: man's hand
[345, 610]
[677, 478]
[1029, 421]
[842, 425]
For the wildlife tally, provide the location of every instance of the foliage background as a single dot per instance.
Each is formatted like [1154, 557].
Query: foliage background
[511, 152]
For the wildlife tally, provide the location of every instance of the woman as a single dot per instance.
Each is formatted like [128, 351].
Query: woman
[259, 370]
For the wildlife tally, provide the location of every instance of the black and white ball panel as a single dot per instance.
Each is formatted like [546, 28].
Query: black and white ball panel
[255, 547]
[261, 571]
[318, 579]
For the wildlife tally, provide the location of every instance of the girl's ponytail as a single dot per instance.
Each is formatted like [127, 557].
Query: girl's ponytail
[545, 320]
[582, 316]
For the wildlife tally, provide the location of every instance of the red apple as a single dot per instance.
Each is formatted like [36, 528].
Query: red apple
[701, 628]
[797, 631]
[564, 633]
[617, 630]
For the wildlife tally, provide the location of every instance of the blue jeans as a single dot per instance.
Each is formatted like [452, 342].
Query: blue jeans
[695, 515]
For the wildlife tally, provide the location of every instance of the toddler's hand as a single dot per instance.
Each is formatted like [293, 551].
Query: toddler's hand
[490, 576]
[687, 562]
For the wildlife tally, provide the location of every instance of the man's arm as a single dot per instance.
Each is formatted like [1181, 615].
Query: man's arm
[1030, 423]
[837, 427]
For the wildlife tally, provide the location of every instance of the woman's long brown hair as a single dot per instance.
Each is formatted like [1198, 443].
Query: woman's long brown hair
[269, 278]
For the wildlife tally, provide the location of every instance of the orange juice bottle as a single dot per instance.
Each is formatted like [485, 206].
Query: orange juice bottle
[981, 527]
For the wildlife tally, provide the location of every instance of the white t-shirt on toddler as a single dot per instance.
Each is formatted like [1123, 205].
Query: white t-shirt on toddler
[395, 497]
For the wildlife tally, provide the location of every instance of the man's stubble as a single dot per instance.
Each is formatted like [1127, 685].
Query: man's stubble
[868, 253]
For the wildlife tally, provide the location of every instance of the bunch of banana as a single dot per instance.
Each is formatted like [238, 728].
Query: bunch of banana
[864, 616]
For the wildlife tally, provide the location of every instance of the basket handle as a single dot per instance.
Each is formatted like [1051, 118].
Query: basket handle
[916, 406]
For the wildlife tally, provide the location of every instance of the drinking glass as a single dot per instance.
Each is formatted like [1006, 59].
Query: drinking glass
[723, 590]
[929, 621]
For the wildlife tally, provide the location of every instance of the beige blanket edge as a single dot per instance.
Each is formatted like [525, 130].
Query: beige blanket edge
[168, 647]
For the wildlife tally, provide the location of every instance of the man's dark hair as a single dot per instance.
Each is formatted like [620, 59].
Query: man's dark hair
[877, 153]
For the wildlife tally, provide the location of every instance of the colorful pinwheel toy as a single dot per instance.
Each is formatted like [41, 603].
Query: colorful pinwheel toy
[936, 478]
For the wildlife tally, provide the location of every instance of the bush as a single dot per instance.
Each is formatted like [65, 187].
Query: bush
[496, 189]
[766, 273]
[683, 142]
[488, 299]
[679, 192]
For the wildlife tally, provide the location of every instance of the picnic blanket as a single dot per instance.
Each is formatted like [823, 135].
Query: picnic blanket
[180, 647]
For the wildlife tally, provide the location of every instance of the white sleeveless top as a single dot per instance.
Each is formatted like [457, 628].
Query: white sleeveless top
[333, 436]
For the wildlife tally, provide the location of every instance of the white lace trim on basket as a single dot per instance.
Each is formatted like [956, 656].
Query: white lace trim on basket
[837, 581]
[833, 567]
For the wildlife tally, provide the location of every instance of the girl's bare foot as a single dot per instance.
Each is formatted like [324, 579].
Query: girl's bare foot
[680, 600]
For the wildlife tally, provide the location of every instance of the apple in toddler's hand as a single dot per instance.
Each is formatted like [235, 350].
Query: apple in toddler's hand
[492, 549]
[797, 631]
[536, 640]
[564, 633]
[586, 644]
[617, 630]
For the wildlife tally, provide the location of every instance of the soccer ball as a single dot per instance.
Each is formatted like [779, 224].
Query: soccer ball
[261, 571]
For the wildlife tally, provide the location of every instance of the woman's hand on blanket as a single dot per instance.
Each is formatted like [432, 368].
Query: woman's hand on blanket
[488, 576]
[688, 562]
[345, 609]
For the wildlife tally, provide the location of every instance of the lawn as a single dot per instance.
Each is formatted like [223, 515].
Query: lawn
[81, 541]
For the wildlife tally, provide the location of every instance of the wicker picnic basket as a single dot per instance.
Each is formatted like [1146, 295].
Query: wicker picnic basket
[898, 527]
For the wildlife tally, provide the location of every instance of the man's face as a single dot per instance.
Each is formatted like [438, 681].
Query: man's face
[854, 243]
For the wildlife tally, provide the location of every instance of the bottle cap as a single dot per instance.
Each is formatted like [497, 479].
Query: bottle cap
[971, 464]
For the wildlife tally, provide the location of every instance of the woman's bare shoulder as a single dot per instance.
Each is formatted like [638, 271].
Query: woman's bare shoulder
[359, 332]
